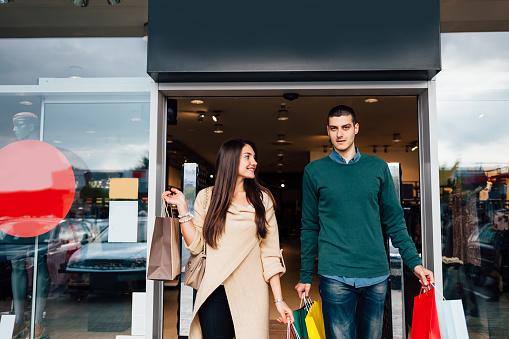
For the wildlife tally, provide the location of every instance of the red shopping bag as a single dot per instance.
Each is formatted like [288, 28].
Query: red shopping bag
[425, 316]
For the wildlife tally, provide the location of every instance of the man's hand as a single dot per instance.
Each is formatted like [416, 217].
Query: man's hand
[303, 289]
[424, 275]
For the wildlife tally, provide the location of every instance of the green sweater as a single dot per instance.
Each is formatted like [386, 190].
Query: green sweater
[343, 210]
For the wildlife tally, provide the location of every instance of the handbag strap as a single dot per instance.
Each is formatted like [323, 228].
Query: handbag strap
[207, 202]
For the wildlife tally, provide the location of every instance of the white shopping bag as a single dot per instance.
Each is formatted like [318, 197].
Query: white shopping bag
[451, 318]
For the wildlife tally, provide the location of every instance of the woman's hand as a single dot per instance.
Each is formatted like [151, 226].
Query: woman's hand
[285, 312]
[176, 197]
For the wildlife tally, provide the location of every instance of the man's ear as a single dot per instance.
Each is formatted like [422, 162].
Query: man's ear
[356, 127]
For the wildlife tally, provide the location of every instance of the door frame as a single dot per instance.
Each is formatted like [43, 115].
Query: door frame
[428, 146]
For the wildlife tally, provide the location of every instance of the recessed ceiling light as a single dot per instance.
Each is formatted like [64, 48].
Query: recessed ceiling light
[481, 115]
[371, 100]
[57, 141]
[197, 102]
[74, 77]
[135, 119]
[90, 132]
[211, 176]
[282, 113]
[280, 153]
[25, 103]
[396, 137]
[218, 129]
[281, 140]
[282, 185]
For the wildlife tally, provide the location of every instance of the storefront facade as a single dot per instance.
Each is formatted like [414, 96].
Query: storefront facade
[92, 100]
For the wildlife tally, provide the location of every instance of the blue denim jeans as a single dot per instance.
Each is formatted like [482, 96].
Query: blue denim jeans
[350, 312]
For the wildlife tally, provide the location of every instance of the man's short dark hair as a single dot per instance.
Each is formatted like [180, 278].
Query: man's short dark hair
[342, 110]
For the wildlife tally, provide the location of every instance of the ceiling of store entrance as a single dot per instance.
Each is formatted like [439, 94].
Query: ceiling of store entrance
[256, 119]
[59, 18]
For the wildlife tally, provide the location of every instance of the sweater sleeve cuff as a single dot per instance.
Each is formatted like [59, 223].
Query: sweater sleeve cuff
[414, 262]
[306, 277]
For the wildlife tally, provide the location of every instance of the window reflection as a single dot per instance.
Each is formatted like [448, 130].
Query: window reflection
[84, 281]
[473, 101]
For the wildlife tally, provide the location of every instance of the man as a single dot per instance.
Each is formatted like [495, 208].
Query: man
[347, 198]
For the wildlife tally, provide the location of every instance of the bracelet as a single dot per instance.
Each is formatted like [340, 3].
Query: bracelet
[185, 219]
[278, 300]
[184, 215]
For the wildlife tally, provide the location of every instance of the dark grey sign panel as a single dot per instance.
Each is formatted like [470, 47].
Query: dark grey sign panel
[286, 40]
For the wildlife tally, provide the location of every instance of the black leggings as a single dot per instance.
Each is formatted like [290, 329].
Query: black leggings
[215, 317]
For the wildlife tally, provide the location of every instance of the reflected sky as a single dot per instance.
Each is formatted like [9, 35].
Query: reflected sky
[107, 135]
[24, 61]
[473, 99]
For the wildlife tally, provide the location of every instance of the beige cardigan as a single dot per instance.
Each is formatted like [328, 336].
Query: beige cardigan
[243, 263]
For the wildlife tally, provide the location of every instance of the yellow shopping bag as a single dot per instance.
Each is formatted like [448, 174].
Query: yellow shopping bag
[314, 321]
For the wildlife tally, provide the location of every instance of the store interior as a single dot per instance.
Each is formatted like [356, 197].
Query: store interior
[289, 131]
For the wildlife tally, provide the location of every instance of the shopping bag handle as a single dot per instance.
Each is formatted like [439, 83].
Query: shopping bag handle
[438, 291]
[290, 327]
[306, 301]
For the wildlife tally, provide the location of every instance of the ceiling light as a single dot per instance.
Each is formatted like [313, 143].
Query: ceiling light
[414, 148]
[280, 164]
[135, 119]
[215, 115]
[282, 113]
[481, 115]
[218, 128]
[3, 2]
[281, 140]
[371, 100]
[80, 3]
[280, 153]
[201, 115]
[169, 139]
[282, 185]
[197, 102]
[90, 132]
[25, 102]
[211, 176]
[113, 2]
[57, 141]
[396, 137]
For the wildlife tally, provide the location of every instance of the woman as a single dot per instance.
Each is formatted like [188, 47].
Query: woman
[235, 220]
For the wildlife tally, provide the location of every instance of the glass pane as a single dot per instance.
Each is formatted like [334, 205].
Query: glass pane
[19, 122]
[473, 105]
[99, 258]
[25, 61]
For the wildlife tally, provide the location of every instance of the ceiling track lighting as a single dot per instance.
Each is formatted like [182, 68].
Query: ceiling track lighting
[201, 115]
[215, 115]
[80, 3]
[282, 113]
[386, 148]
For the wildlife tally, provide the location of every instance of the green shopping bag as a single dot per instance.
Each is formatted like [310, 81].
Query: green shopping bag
[299, 316]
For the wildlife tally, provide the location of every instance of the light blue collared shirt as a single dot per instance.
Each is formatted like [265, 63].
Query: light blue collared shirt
[355, 282]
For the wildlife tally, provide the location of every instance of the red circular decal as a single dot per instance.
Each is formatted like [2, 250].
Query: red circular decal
[36, 188]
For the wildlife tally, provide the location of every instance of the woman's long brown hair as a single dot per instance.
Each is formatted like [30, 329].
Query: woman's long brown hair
[227, 169]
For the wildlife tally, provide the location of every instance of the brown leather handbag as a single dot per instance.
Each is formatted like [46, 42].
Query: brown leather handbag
[195, 268]
[164, 258]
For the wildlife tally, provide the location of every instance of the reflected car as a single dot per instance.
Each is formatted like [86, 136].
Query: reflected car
[103, 266]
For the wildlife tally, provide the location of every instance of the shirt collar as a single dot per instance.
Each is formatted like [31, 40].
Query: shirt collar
[339, 159]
